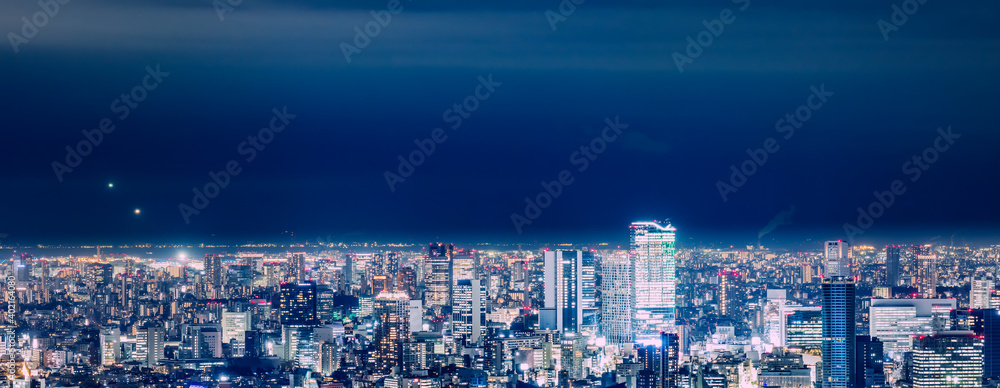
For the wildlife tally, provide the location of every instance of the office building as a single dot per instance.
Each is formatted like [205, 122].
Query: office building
[947, 359]
[617, 298]
[892, 266]
[298, 304]
[927, 275]
[870, 372]
[149, 345]
[213, 275]
[732, 296]
[296, 271]
[234, 325]
[392, 326]
[468, 323]
[980, 291]
[838, 293]
[803, 328]
[896, 321]
[111, 346]
[437, 274]
[655, 266]
[564, 296]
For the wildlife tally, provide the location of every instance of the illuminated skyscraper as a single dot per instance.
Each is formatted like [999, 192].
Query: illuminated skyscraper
[565, 295]
[468, 322]
[213, 274]
[437, 274]
[927, 275]
[947, 359]
[392, 327]
[111, 346]
[296, 268]
[732, 296]
[653, 250]
[298, 304]
[838, 318]
[617, 298]
[149, 345]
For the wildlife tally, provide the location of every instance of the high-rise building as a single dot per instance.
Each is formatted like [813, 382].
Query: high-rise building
[838, 293]
[617, 298]
[927, 275]
[234, 325]
[563, 292]
[392, 326]
[870, 372]
[111, 346]
[669, 360]
[468, 322]
[896, 321]
[980, 291]
[213, 274]
[807, 273]
[986, 324]
[210, 340]
[838, 259]
[947, 359]
[655, 277]
[149, 345]
[298, 304]
[300, 345]
[437, 274]
[731, 295]
[296, 268]
[803, 328]
[407, 282]
[892, 265]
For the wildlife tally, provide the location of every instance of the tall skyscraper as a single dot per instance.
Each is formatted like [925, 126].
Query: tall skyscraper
[669, 360]
[298, 304]
[986, 324]
[296, 268]
[407, 282]
[980, 292]
[617, 298]
[213, 274]
[392, 327]
[870, 372]
[838, 259]
[653, 250]
[234, 325]
[892, 265]
[927, 275]
[468, 322]
[731, 295]
[947, 359]
[838, 318]
[563, 292]
[149, 345]
[437, 274]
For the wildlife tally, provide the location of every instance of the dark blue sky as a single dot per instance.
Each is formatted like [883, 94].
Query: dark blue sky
[323, 175]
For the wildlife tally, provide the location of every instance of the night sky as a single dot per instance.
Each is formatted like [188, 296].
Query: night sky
[323, 175]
